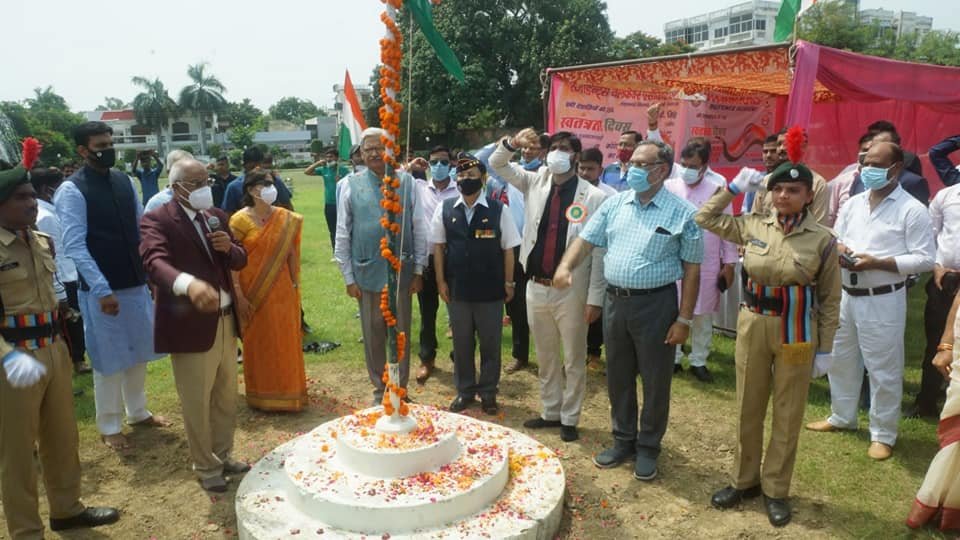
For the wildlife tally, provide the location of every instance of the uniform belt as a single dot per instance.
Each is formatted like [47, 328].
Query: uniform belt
[762, 303]
[30, 333]
[876, 291]
[542, 281]
[619, 291]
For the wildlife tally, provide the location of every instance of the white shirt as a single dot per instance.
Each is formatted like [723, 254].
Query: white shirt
[431, 197]
[49, 224]
[899, 227]
[509, 235]
[945, 218]
[184, 280]
[606, 188]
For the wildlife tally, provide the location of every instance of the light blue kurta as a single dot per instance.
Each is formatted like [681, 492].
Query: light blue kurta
[114, 343]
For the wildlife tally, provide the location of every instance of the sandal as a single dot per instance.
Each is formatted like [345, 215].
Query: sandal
[153, 421]
[117, 442]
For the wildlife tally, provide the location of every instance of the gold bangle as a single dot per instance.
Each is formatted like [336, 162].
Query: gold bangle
[945, 347]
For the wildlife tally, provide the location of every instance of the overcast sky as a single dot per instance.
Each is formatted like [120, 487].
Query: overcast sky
[262, 50]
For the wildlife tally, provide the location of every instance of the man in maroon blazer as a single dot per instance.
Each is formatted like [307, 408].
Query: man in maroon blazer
[189, 253]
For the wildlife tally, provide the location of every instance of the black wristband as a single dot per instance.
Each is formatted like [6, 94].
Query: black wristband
[506, 144]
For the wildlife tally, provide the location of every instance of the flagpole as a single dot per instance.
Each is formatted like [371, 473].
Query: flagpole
[409, 79]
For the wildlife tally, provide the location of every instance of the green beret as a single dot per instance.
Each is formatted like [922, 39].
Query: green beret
[790, 172]
[11, 179]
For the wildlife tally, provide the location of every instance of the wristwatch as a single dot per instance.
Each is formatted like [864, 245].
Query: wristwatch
[506, 144]
[688, 322]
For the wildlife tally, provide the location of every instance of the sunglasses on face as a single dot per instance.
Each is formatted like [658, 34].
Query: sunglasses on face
[435, 162]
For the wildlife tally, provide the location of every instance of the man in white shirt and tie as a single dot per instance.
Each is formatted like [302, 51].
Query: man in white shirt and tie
[884, 236]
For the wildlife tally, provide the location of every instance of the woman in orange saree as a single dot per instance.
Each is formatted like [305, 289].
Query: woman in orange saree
[269, 299]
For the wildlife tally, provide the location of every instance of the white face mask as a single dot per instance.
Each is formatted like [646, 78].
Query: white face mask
[201, 199]
[558, 161]
[268, 194]
[690, 176]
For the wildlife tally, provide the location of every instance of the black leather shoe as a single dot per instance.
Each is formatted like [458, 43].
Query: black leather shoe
[569, 433]
[730, 496]
[621, 452]
[235, 467]
[778, 511]
[701, 373]
[460, 403]
[91, 517]
[916, 411]
[540, 423]
[677, 369]
[489, 405]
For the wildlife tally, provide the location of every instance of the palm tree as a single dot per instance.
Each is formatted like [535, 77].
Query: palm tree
[203, 96]
[153, 107]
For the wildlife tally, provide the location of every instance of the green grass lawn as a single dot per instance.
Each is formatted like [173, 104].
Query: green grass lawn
[851, 495]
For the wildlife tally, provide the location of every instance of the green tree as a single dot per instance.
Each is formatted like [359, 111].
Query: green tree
[215, 151]
[316, 146]
[241, 113]
[504, 47]
[47, 117]
[241, 136]
[834, 24]
[153, 106]
[293, 109]
[941, 48]
[203, 96]
[112, 104]
[641, 45]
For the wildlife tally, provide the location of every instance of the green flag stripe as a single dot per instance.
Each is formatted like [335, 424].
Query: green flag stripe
[424, 16]
[344, 143]
[786, 19]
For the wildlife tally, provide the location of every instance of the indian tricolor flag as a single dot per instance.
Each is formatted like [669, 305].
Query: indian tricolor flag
[351, 119]
[790, 11]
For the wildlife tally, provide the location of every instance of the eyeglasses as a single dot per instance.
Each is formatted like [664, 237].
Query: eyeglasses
[641, 165]
[373, 150]
[196, 184]
[435, 162]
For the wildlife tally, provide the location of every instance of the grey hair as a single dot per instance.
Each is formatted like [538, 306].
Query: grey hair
[372, 132]
[664, 152]
[179, 170]
[176, 155]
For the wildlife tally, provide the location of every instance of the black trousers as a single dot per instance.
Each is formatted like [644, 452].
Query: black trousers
[429, 300]
[330, 213]
[595, 337]
[75, 341]
[517, 310]
[935, 313]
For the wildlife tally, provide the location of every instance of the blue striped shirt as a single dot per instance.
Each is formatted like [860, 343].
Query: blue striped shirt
[646, 244]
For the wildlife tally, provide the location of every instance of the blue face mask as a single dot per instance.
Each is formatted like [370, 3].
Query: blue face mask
[690, 176]
[531, 165]
[637, 179]
[874, 178]
[440, 172]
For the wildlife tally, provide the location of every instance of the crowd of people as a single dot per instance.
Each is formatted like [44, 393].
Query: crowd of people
[632, 257]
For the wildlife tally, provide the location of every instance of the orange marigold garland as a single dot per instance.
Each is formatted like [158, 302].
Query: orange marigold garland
[390, 56]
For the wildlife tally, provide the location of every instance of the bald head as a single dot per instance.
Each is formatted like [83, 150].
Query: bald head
[187, 170]
[883, 154]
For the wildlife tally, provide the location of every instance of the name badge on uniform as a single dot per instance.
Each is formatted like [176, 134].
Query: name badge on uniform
[759, 243]
[485, 233]
[9, 266]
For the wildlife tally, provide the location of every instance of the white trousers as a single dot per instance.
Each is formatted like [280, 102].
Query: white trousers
[118, 393]
[556, 319]
[701, 336]
[871, 336]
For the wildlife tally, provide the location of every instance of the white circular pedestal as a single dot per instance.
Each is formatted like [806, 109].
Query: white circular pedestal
[469, 479]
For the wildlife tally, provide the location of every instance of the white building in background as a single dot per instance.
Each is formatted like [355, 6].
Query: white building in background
[740, 25]
[904, 22]
[181, 131]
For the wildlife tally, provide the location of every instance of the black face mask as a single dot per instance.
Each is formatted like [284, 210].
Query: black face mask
[470, 186]
[105, 158]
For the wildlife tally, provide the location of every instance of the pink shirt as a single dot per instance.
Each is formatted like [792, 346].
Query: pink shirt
[840, 192]
[716, 252]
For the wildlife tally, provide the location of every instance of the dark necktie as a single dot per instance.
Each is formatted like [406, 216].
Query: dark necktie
[548, 265]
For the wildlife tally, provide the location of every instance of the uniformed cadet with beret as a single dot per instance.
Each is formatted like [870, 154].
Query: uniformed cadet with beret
[791, 284]
[36, 397]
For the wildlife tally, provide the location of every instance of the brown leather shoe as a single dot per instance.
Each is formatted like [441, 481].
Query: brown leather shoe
[879, 451]
[425, 371]
[517, 365]
[823, 426]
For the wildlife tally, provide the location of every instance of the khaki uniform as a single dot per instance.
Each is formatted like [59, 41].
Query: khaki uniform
[42, 413]
[820, 207]
[807, 256]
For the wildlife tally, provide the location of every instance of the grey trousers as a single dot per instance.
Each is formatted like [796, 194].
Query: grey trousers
[470, 322]
[635, 329]
[375, 337]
